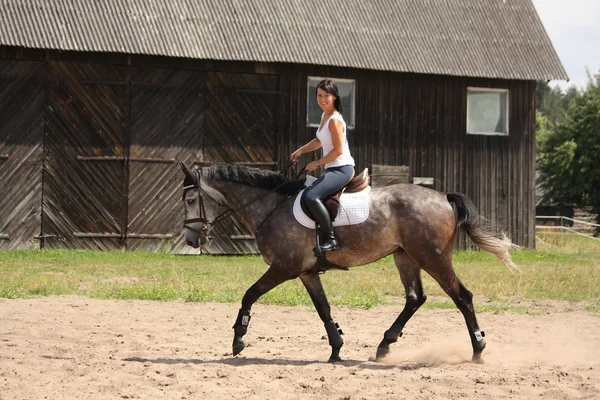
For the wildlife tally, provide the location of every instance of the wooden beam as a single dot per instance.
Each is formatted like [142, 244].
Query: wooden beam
[133, 159]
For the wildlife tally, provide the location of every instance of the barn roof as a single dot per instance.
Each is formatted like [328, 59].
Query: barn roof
[477, 38]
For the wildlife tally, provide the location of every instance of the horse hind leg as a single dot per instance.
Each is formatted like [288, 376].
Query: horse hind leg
[463, 299]
[410, 274]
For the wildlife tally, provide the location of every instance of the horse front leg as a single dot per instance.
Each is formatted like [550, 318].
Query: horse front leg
[273, 277]
[312, 283]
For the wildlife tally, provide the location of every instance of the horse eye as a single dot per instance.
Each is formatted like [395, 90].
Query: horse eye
[190, 201]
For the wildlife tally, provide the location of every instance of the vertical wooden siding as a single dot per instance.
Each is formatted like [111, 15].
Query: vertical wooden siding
[167, 126]
[240, 128]
[401, 119]
[22, 99]
[84, 178]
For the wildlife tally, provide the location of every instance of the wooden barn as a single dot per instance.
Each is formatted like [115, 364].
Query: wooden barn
[100, 99]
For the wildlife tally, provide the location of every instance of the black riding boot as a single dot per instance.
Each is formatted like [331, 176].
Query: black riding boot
[321, 215]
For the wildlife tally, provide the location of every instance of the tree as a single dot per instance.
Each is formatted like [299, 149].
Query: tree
[551, 102]
[569, 153]
[571, 94]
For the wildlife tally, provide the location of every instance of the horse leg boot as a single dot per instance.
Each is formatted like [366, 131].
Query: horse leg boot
[314, 287]
[334, 334]
[321, 215]
[240, 328]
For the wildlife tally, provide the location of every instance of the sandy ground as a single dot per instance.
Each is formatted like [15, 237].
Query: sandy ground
[80, 348]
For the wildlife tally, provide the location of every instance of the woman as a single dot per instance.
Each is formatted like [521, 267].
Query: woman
[336, 159]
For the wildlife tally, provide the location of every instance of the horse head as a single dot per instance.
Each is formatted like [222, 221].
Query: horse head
[202, 211]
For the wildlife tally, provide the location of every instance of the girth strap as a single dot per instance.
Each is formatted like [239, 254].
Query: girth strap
[323, 265]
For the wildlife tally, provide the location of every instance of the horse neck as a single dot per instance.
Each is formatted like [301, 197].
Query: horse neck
[250, 204]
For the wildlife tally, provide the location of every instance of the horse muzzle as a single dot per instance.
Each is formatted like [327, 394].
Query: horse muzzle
[196, 237]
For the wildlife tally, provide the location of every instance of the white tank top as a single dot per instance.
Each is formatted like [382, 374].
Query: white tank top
[324, 136]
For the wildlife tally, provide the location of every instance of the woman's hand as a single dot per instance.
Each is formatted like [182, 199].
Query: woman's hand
[295, 156]
[311, 166]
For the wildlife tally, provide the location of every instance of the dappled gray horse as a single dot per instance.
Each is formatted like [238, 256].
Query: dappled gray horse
[415, 224]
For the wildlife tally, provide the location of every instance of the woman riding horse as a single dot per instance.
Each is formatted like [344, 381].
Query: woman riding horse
[336, 159]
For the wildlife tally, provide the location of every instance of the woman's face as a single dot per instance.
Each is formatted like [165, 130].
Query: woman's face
[325, 100]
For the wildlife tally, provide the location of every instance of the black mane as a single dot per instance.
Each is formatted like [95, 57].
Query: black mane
[254, 177]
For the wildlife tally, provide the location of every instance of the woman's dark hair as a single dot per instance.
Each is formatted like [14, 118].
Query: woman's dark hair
[330, 87]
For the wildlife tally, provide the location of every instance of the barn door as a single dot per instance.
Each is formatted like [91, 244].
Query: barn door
[84, 203]
[240, 128]
[167, 117]
[22, 96]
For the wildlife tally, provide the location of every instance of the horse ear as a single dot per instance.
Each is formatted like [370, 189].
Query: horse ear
[186, 171]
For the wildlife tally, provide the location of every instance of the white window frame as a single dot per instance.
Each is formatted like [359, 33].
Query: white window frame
[493, 90]
[311, 97]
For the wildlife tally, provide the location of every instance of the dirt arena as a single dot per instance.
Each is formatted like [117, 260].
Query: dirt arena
[80, 348]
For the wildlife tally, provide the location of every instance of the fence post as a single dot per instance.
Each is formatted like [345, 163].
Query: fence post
[562, 233]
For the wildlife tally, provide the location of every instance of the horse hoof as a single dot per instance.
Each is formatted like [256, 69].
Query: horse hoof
[382, 352]
[334, 359]
[477, 359]
[238, 346]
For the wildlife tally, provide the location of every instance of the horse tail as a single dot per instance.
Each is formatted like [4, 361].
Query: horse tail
[498, 244]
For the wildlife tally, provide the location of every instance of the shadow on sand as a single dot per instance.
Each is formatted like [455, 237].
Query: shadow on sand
[243, 361]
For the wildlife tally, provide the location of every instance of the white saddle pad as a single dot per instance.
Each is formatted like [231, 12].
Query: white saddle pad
[354, 209]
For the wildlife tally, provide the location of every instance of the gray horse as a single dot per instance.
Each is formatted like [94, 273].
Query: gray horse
[415, 224]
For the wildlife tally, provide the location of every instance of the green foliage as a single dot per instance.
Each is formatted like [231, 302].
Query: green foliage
[568, 153]
[550, 102]
[542, 128]
[553, 103]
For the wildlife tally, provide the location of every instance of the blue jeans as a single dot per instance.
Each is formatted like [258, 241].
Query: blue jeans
[328, 184]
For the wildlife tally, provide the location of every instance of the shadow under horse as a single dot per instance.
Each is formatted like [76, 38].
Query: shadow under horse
[416, 224]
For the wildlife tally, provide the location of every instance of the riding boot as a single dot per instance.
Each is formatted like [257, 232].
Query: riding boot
[321, 215]
[332, 243]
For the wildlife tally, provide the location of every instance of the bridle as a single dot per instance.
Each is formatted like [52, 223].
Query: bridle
[207, 224]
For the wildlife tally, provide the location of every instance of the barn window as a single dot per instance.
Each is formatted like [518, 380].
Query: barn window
[346, 89]
[487, 111]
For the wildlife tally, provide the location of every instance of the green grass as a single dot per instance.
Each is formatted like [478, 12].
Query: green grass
[570, 274]
[568, 243]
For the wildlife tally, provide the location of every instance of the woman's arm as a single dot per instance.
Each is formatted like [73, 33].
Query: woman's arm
[337, 139]
[310, 146]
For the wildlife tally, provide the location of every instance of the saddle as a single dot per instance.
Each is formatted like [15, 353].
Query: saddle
[357, 184]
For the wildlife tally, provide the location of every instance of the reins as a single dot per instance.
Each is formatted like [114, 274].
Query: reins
[303, 170]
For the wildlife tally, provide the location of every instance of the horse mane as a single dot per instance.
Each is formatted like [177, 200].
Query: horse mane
[254, 177]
